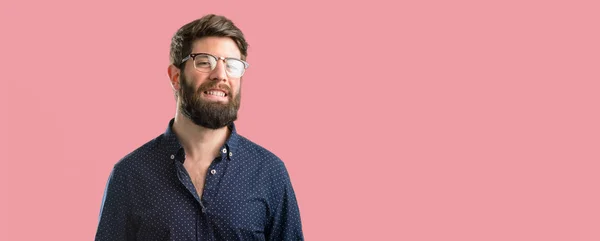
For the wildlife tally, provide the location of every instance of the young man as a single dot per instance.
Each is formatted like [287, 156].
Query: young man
[200, 180]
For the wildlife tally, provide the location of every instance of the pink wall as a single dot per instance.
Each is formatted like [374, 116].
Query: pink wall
[408, 121]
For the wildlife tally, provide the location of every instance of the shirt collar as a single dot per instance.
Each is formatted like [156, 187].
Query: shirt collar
[173, 146]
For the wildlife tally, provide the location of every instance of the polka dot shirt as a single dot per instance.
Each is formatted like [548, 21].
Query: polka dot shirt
[247, 195]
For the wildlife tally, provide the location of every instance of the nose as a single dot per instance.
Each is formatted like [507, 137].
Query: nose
[220, 71]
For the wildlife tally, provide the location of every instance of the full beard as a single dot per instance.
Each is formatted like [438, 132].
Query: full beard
[209, 114]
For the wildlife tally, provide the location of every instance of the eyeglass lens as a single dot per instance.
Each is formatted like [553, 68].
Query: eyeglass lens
[207, 63]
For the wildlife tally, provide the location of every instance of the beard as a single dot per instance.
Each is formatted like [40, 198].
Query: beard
[209, 114]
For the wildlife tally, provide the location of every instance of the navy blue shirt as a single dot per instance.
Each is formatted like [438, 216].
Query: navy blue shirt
[247, 195]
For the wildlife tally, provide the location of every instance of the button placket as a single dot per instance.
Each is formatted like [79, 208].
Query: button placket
[211, 181]
[211, 175]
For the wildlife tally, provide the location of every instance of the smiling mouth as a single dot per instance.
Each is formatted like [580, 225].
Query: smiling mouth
[215, 93]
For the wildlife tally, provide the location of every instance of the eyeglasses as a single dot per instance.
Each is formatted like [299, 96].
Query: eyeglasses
[206, 63]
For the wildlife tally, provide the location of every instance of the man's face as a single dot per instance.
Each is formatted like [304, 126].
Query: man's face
[212, 99]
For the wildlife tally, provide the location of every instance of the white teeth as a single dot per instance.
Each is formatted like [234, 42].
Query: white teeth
[217, 93]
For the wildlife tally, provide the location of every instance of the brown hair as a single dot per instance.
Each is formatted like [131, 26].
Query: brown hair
[208, 26]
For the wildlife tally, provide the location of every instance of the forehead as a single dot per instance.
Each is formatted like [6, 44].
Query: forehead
[218, 46]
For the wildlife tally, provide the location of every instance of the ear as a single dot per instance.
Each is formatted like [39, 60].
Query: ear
[174, 74]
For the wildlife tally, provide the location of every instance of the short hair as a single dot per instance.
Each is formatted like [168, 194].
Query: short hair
[208, 26]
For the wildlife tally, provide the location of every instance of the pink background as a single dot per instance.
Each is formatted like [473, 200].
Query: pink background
[436, 120]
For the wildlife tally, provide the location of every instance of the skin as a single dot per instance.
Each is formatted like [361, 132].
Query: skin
[202, 145]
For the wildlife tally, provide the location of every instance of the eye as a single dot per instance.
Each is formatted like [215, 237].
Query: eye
[235, 65]
[202, 64]
[202, 61]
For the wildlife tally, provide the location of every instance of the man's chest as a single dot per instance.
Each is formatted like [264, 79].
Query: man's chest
[197, 174]
[233, 201]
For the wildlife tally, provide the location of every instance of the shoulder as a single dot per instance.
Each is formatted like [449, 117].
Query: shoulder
[255, 152]
[255, 155]
[139, 156]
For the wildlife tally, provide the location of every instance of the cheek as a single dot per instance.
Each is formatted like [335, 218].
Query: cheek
[238, 89]
[195, 78]
[236, 86]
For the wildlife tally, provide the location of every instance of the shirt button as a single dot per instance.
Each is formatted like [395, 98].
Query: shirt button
[172, 156]
[224, 150]
[213, 171]
[230, 153]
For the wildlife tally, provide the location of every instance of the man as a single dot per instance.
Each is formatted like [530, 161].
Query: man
[200, 180]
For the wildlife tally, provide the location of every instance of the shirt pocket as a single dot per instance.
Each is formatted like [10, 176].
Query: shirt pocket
[245, 217]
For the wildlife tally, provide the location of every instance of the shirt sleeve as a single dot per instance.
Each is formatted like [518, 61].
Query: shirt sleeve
[285, 221]
[114, 223]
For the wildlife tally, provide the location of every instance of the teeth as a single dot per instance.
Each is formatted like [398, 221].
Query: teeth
[217, 93]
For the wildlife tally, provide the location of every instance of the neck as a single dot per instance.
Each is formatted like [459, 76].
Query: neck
[199, 143]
